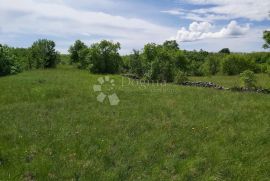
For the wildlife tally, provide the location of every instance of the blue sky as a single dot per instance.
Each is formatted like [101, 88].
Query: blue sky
[195, 24]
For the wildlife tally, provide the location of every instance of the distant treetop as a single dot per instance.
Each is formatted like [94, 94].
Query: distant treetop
[225, 50]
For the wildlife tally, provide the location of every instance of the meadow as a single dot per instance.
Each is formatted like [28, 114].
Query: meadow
[53, 128]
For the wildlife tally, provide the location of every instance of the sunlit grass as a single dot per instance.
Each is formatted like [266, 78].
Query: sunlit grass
[53, 128]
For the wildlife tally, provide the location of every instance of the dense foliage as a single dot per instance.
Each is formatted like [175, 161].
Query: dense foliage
[164, 62]
[157, 62]
[102, 57]
[75, 50]
[8, 62]
[41, 54]
[225, 50]
[154, 62]
[235, 64]
[248, 79]
[266, 37]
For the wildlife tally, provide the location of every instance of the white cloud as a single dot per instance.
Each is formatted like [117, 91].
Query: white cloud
[200, 27]
[174, 11]
[58, 18]
[227, 10]
[200, 31]
[252, 41]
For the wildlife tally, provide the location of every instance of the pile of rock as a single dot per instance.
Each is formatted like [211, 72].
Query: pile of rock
[215, 86]
[203, 84]
[257, 90]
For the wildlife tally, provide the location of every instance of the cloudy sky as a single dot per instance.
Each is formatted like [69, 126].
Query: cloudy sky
[195, 24]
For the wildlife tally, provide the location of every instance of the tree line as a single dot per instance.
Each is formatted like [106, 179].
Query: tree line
[40, 55]
[164, 62]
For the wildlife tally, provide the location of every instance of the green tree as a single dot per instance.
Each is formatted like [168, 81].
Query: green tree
[266, 37]
[75, 51]
[181, 62]
[173, 45]
[211, 65]
[104, 57]
[8, 62]
[225, 51]
[43, 54]
[136, 63]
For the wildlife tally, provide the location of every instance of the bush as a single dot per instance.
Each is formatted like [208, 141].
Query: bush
[211, 65]
[235, 64]
[9, 64]
[43, 54]
[248, 79]
[162, 67]
[22, 56]
[180, 77]
[195, 61]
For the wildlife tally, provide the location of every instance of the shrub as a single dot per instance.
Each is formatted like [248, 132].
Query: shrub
[211, 65]
[180, 77]
[235, 64]
[163, 66]
[22, 56]
[9, 64]
[195, 61]
[43, 54]
[248, 79]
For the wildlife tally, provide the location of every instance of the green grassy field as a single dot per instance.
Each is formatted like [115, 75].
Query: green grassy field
[53, 128]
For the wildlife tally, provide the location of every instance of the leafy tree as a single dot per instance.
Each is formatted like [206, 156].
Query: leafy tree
[136, 64]
[8, 62]
[248, 79]
[43, 54]
[83, 61]
[104, 57]
[160, 62]
[225, 51]
[75, 51]
[150, 52]
[211, 65]
[195, 61]
[23, 57]
[173, 45]
[266, 37]
[181, 62]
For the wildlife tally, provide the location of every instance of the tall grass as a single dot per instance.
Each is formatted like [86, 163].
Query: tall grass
[53, 128]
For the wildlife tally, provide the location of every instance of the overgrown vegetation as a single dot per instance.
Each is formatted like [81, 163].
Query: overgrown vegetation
[248, 79]
[100, 57]
[40, 55]
[154, 62]
[266, 37]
